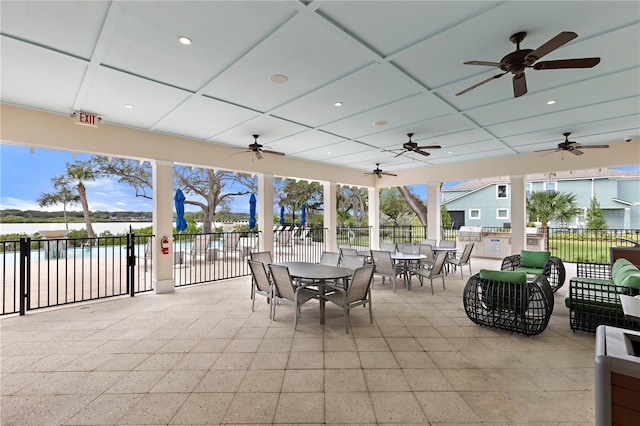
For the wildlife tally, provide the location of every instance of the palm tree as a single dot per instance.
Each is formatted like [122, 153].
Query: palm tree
[63, 194]
[80, 172]
[545, 207]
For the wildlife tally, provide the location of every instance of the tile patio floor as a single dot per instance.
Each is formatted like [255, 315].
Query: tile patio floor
[199, 356]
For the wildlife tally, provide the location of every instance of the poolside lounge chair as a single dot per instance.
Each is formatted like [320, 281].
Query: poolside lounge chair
[200, 248]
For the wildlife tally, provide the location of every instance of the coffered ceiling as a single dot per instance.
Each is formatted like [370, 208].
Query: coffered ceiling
[391, 62]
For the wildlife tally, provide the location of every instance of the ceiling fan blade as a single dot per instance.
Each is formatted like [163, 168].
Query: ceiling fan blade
[481, 83]
[429, 147]
[548, 151]
[576, 151]
[268, 151]
[389, 174]
[567, 63]
[399, 154]
[557, 41]
[593, 146]
[519, 85]
[425, 153]
[258, 155]
[488, 64]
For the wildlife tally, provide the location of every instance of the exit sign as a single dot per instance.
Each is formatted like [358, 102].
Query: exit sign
[86, 118]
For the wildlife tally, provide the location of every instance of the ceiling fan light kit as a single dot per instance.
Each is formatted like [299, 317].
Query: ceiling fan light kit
[517, 61]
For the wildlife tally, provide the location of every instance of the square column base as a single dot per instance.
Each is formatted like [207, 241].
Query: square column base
[164, 286]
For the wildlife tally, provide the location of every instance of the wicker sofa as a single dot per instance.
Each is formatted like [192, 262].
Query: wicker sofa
[593, 298]
[507, 300]
[535, 263]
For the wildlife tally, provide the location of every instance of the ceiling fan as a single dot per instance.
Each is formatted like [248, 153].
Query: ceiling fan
[258, 149]
[516, 61]
[571, 146]
[411, 146]
[379, 172]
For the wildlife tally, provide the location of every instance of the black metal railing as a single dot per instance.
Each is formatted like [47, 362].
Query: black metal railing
[299, 245]
[358, 237]
[588, 245]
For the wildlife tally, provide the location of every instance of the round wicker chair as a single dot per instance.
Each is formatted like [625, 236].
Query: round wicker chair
[523, 307]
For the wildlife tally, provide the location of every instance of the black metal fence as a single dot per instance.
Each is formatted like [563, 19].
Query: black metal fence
[51, 272]
[589, 245]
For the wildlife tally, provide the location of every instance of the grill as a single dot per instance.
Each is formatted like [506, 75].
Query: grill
[471, 234]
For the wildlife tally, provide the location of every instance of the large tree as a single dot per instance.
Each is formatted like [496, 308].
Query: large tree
[211, 189]
[62, 194]
[551, 206]
[80, 172]
[292, 195]
[352, 205]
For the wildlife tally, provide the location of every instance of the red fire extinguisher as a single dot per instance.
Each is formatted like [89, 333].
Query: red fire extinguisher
[165, 245]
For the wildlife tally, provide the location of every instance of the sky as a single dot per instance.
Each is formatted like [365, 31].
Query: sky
[25, 176]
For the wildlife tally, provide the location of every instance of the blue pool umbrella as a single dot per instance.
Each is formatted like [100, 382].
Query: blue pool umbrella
[252, 211]
[303, 216]
[282, 215]
[181, 222]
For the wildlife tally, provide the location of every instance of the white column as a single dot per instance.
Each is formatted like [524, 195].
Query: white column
[518, 214]
[434, 221]
[330, 206]
[374, 218]
[265, 211]
[162, 173]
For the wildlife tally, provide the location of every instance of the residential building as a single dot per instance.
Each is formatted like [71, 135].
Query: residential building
[486, 202]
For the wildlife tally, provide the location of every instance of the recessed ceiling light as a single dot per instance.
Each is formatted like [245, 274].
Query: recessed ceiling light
[380, 123]
[449, 152]
[329, 153]
[338, 104]
[185, 40]
[551, 102]
[279, 78]
[128, 106]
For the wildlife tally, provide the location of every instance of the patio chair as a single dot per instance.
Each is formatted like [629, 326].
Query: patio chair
[285, 292]
[358, 293]
[435, 271]
[447, 243]
[388, 246]
[283, 238]
[410, 248]
[344, 251]
[428, 241]
[260, 284]
[426, 250]
[537, 262]
[230, 242]
[200, 248]
[385, 266]
[263, 257]
[330, 258]
[462, 260]
[509, 301]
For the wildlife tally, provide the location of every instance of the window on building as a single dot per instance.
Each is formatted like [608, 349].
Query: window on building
[474, 213]
[502, 213]
[501, 191]
[528, 189]
[551, 186]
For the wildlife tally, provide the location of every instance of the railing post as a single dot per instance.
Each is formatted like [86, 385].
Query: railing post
[131, 264]
[25, 274]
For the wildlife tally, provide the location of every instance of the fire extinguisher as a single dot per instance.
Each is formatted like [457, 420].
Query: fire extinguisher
[165, 245]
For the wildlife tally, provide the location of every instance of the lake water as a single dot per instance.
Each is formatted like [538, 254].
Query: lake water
[114, 227]
[30, 228]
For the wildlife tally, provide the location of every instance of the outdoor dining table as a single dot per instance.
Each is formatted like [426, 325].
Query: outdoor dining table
[319, 274]
[406, 259]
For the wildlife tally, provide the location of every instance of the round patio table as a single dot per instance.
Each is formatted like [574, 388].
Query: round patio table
[318, 273]
[406, 259]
